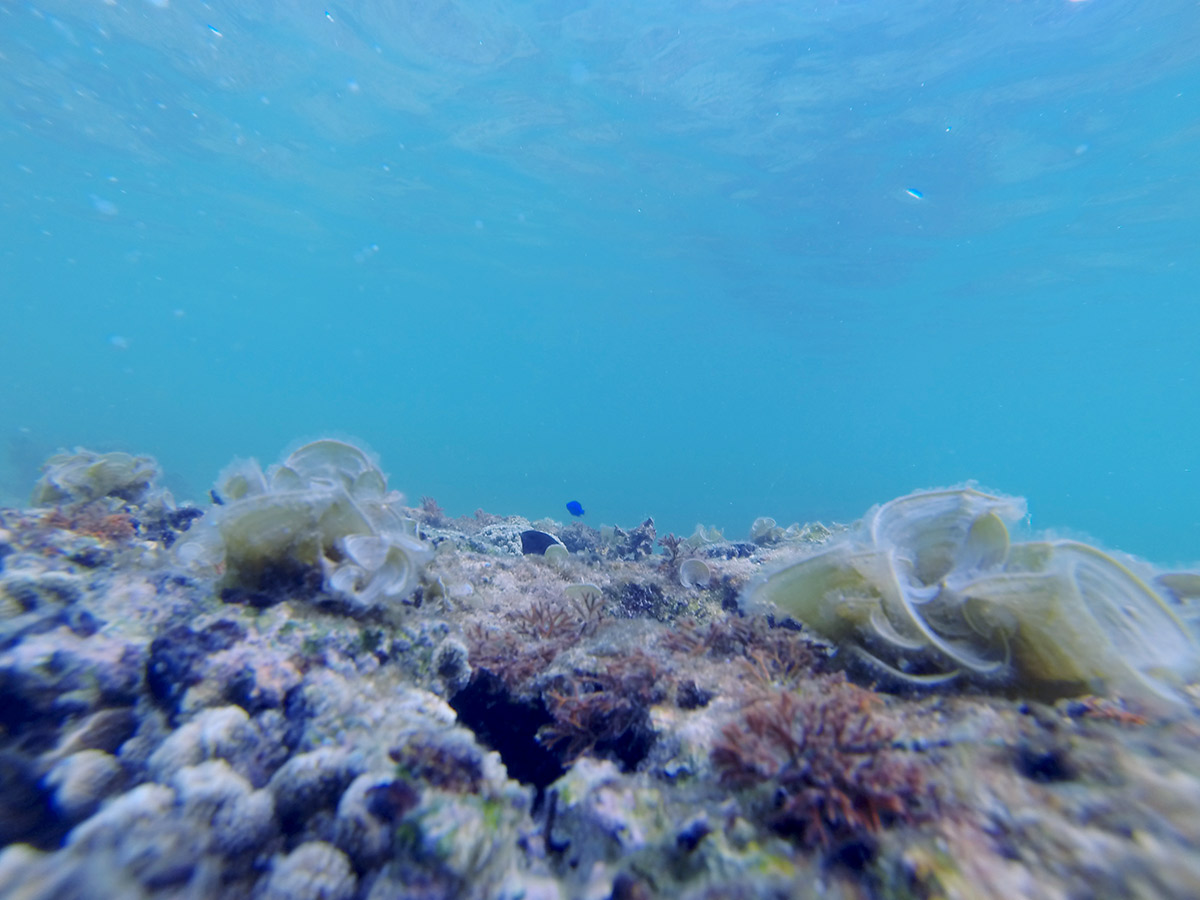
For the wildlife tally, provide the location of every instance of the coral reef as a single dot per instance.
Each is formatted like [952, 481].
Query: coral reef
[306, 697]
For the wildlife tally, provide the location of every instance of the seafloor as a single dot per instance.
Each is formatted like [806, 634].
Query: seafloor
[519, 725]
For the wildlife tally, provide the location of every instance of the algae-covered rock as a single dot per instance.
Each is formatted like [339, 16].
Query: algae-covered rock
[312, 781]
[313, 871]
[470, 841]
[213, 794]
[81, 781]
[929, 587]
[222, 733]
[323, 517]
[365, 825]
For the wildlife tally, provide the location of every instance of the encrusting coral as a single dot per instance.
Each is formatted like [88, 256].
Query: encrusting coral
[928, 588]
[324, 514]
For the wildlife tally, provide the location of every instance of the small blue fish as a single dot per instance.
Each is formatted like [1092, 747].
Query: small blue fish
[575, 508]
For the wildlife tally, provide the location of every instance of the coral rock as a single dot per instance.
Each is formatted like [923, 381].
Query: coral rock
[81, 781]
[313, 871]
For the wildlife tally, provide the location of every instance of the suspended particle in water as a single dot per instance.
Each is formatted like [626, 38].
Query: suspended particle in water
[914, 193]
[102, 206]
[213, 29]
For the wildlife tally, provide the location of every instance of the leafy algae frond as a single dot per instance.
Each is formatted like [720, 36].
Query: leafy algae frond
[929, 588]
[323, 514]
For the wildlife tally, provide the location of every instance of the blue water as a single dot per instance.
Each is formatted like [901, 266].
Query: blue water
[701, 261]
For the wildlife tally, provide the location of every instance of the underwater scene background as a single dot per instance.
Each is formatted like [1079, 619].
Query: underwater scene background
[701, 261]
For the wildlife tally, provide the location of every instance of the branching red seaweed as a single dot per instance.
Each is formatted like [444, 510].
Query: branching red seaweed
[827, 755]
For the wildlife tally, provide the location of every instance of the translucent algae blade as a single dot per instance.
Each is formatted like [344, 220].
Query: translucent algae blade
[329, 459]
[812, 590]
[975, 653]
[986, 545]
[240, 479]
[1147, 634]
[937, 531]
[1054, 643]
[932, 580]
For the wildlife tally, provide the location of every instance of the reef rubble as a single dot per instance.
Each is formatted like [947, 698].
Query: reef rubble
[312, 690]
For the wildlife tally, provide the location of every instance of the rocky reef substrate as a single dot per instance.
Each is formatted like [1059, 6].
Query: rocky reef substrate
[312, 690]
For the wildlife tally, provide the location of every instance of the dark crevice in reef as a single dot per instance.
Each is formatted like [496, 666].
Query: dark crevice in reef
[273, 583]
[509, 726]
[632, 744]
[26, 813]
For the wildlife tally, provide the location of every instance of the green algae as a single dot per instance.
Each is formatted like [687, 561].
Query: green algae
[930, 587]
[325, 509]
[84, 475]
